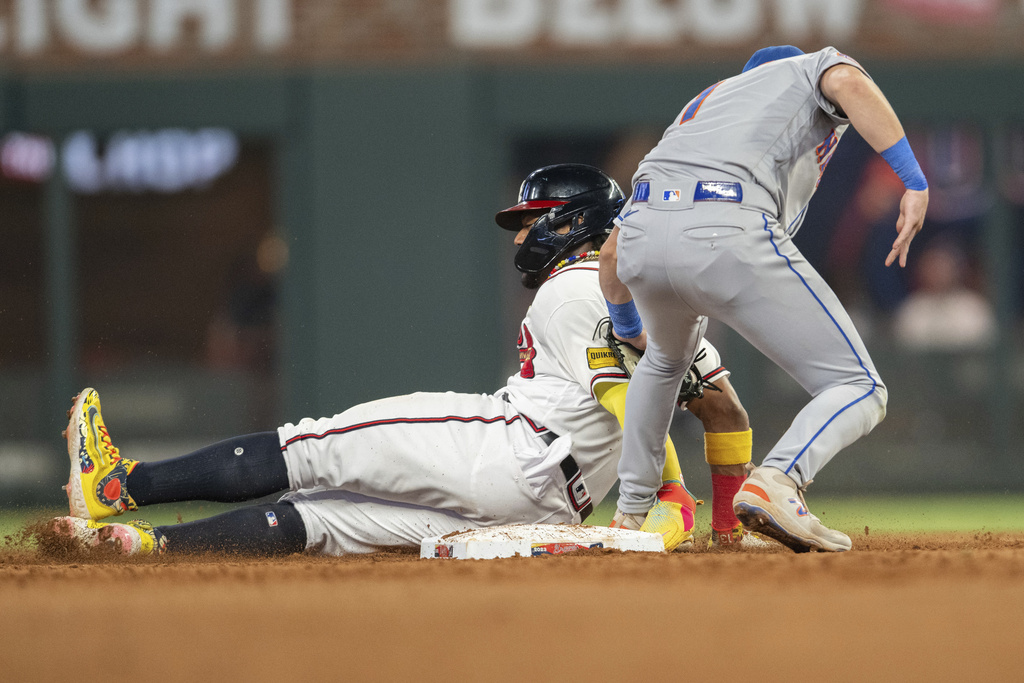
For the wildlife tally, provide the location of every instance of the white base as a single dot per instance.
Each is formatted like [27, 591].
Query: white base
[527, 540]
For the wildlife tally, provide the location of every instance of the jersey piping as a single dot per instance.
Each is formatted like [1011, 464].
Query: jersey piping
[538, 429]
[860, 361]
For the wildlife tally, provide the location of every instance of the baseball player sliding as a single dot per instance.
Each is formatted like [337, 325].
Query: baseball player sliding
[388, 473]
[708, 232]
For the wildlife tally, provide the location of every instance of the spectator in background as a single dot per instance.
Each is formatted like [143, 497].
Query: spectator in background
[242, 334]
[942, 313]
[860, 237]
[627, 151]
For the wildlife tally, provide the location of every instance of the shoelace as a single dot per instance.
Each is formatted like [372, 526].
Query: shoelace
[800, 493]
[105, 438]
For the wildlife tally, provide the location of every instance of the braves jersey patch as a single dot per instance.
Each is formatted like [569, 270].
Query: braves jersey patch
[600, 357]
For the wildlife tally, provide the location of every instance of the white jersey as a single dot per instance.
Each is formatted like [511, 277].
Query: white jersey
[563, 357]
[395, 471]
[771, 126]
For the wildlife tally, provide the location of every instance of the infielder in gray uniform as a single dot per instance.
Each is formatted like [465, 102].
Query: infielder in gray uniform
[708, 232]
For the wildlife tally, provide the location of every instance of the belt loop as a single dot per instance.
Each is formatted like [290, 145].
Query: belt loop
[641, 192]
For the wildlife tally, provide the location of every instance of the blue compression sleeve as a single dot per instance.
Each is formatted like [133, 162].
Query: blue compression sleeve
[903, 161]
[625, 319]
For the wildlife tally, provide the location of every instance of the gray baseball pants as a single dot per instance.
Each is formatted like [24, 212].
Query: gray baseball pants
[684, 260]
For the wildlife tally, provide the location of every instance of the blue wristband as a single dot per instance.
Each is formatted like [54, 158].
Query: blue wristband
[903, 161]
[625, 319]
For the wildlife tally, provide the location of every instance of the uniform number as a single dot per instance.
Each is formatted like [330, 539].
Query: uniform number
[526, 353]
[824, 151]
[694, 105]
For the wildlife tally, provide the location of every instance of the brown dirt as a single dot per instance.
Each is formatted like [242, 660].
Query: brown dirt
[907, 608]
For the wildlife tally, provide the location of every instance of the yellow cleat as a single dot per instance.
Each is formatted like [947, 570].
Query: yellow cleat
[136, 537]
[97, 486]
[672, 517]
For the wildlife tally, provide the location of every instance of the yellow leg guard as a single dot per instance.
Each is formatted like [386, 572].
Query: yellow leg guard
[728, 448]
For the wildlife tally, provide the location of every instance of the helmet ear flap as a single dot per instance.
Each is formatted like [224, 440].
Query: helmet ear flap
[588, 217]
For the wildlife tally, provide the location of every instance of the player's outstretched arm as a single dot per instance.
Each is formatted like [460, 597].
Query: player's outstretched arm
[871, 114]
[626, 324]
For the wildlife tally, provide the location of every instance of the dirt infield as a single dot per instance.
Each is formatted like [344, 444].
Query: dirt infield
[921, 608]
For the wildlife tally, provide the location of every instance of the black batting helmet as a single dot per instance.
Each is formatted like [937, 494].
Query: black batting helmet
[580, 196]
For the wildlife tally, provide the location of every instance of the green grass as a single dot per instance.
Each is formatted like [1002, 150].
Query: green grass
[920, 513]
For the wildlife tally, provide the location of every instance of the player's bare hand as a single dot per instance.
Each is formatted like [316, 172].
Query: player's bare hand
[913, 207]
[639, 343]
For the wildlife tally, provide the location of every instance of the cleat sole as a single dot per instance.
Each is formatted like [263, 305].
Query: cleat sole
[760, 521]
[76, 497]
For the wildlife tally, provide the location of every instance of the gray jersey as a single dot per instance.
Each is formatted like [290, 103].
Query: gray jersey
[771, 125]
[709, 234]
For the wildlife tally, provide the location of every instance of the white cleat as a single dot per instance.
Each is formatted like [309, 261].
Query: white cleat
[621, 520]
[770, 503]
[133, 538]
[738, 539]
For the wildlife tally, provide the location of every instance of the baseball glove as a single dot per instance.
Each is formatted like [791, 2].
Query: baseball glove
[627, 356]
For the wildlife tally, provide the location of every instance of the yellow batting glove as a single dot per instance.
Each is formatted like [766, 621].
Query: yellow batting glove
[672, 516]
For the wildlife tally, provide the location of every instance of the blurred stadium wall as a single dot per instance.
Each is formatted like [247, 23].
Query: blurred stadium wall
[227, 214]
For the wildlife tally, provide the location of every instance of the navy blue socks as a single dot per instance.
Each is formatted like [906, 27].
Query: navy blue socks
[231, 471]
[261, 530]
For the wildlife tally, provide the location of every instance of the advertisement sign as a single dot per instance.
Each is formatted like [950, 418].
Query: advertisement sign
[125, 34]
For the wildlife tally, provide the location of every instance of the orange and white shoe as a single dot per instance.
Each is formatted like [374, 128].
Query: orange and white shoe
[97, 485]
[136, 537]
[771, 504]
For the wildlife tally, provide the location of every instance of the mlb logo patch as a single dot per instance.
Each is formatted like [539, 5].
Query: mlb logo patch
[271, 519]
[671, 196]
